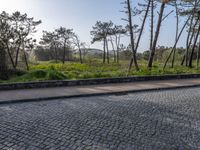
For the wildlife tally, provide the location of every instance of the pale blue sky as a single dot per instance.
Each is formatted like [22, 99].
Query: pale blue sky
[81, 15]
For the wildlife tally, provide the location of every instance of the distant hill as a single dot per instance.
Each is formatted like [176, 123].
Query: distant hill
[89, 51]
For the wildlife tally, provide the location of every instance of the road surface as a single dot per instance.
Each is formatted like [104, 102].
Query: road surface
[168, 119]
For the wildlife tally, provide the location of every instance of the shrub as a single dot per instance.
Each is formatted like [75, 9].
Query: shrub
[13, 72]
[55, 75]
[38, 73]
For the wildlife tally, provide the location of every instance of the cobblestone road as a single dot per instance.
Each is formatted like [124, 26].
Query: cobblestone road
[150, 120]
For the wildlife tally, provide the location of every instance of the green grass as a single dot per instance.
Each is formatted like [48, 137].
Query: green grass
[94, 69]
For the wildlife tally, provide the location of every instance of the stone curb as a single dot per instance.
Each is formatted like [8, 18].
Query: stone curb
[95, 94]
[47, 84]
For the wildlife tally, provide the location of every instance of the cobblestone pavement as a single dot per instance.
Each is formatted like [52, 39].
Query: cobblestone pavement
[150, 120]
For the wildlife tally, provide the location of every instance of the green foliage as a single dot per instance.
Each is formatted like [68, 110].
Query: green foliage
[95, 69]
[38, 73]
[55, 75]
[12, 73]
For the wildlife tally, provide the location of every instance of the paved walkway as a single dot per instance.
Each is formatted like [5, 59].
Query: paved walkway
[75, 91]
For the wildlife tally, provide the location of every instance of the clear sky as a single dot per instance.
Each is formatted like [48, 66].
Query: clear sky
[81, 15]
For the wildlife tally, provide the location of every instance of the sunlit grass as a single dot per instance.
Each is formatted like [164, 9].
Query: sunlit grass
[42, 71]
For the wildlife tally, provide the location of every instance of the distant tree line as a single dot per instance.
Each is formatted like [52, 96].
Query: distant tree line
[60, 42]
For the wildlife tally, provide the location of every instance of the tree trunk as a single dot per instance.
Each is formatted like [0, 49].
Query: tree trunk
[25, 58]
[142, 26]
[177, 39]
[3, 66]
[108, 56]
[118, 55]
[190, 42]
[151, 57]
[141, 30]
[104, 50]
[177, 30]
[10, 56]
[26, 61]
[189, 38]
[187, 41]
[115, 58]
[17, 55]
[64, 53]
[152, 23]
[198, 55]
[134, 57]
[80, 54]
[193, 48]
[117, 41]
[111, 41]
[56, 53]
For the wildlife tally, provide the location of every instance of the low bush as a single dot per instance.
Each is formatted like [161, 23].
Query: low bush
[38, 73]
[55, 75]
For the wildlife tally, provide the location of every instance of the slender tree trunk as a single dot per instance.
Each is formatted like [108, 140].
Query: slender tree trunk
[26, 61]
[198, 55]
[190, 42]
[3, 66]
[108, 56]
[117, 40]
[187, 42]
[64, 53]
[25, 58]
[152, 24]
[193, 48]
[141, 31]
[189, 38]
[187, 46]
[142, 27]
[17, 55]
[134, 57]
[104, 50]
[177, 30]
[80, 54]
[56, 53]
[174, 47]
[10, 56]
[115, 58]
[111, 41]
[150, 62]
[67, 52]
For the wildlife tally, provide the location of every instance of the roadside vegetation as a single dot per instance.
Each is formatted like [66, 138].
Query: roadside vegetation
[50, 70]
[61, 55]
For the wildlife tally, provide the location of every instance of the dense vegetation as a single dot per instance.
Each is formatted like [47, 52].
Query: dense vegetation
[61, 55]
[50, 70]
